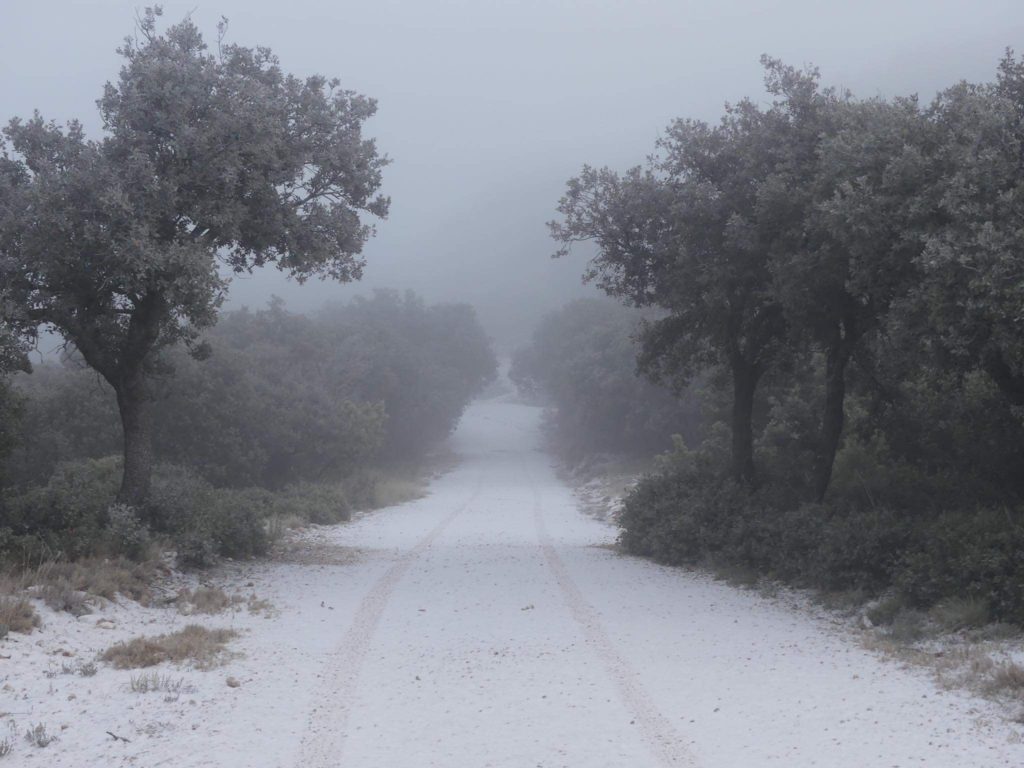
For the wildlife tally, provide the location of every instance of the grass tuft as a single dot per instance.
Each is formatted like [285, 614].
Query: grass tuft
[38, 737]
[154, 682]
[1007, 679]
[17, 615]
[205, 600]
[67, 586]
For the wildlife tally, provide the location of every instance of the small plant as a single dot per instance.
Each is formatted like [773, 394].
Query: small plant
[5, 747]
[154, 682]
[259, 605]
[86, 669]
[61, 596]
[38, 737]
[128, 533]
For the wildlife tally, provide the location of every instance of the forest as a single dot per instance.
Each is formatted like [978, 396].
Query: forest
[291, 419]
[839, 283]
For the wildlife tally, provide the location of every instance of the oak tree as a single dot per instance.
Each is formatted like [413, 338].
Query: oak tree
[210, 163]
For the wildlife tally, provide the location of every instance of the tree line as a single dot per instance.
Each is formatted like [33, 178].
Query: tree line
[844, 276]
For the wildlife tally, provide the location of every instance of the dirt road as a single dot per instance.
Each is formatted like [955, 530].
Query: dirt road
[506, 633]
[490, 624]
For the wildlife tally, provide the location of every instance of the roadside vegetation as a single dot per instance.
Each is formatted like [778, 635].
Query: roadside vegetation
[168, 426]
[291, 420]
[841, 279]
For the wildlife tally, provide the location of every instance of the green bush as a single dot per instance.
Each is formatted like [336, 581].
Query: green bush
[206, 522]
[68, 516]
[319, 503]
[974, 554]
[689, 515]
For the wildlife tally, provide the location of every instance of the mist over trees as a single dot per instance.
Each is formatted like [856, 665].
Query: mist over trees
[582, 363]
[283, 401]
[228, 425]
[209, 161]
[844, 274]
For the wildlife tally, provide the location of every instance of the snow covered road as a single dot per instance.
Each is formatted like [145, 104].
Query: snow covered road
[506, 633]
[490, 624]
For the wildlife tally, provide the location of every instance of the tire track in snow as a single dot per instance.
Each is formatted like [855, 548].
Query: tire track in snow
[661, 736]
[324, 740]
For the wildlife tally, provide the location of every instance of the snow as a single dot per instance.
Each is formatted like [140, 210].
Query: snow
[490, 624]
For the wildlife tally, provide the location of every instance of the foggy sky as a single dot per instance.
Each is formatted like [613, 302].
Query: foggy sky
[487, 108]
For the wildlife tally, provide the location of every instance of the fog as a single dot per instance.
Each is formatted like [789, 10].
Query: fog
[486, 108]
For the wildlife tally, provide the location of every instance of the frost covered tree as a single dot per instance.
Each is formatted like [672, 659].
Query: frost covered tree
[211, 162]
[697, 233]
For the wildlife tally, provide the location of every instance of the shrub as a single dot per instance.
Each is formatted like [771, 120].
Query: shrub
[68, 516]
[972, 554]
[206, 522]
[968, 563]
[61, 596]
[319, 503]
[127, 533]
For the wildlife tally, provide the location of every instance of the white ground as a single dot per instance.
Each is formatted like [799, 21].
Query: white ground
[490, 625]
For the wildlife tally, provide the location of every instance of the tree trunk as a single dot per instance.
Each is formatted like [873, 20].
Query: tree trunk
[744, 382]
[136, 421]
[833, 416]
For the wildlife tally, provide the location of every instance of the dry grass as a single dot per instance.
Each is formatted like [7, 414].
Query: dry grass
[206, 600]
[211, 600]
[17, 615]
[69, 586]
[392, 490]
[259, 605]
[194, 644]
[1006, 679]
[60, 595]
